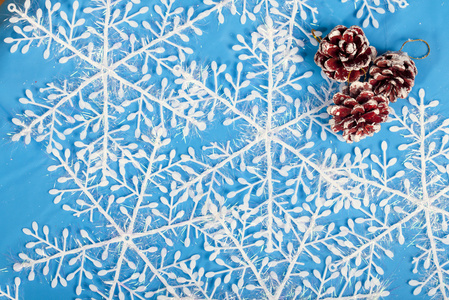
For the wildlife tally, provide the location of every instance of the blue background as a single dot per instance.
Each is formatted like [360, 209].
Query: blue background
[25, 181]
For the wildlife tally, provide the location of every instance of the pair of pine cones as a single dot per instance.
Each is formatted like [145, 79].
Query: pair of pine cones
[345, 55]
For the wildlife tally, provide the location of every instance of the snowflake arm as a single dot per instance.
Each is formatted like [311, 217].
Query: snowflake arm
[9, 293]
[374, 7]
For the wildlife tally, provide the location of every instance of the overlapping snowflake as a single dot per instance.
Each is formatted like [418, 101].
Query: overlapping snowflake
[238, 219]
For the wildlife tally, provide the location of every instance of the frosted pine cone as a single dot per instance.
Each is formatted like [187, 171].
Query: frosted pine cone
[345, 54]
[358, 112]
[393, 75]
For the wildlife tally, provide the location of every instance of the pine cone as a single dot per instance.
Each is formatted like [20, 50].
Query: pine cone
[393, 75]
[345, 54]
[358, 112]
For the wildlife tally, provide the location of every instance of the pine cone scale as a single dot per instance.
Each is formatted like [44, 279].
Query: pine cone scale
[330, 49]
[339, 98]
[336, 34]
[365, 96]
[370, 105]
[351, 49]
[340, 111]
[388, 72]
[333, 64]
[350, 103]
[340, 75]
[373, 116]
[361, 61]
[358, 109]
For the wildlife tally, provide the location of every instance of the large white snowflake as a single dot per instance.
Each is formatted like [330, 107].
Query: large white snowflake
[253, 216]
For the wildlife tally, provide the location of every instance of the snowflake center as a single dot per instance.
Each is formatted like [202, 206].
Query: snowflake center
[126, 238]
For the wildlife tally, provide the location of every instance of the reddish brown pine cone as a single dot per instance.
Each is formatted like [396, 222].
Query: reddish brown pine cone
[345, 54]
[393, 75]
[358, 112]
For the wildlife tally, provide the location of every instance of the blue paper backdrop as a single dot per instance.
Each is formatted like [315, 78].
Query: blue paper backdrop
[25, 181]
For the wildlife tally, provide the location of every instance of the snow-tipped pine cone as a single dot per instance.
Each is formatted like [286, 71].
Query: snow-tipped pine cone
[358, 111]
[345, 54]
[393, 75]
